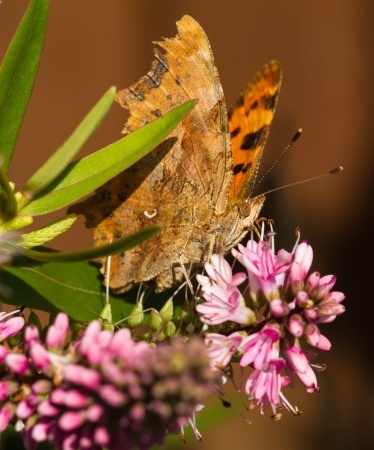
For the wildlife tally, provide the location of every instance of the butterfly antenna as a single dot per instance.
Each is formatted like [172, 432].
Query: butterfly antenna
[293, 140]
[330, 172]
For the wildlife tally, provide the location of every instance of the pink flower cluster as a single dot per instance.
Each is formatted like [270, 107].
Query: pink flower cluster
[103, 391]
[278, 305]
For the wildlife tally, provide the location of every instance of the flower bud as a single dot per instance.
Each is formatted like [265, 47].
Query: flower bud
[166, 312]
[136, 315]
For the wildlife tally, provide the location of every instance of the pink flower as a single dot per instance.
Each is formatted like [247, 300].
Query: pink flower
[40, 356]
[3, 352]
[315, 338]
[219, 273]
[258, 348]
[222, 305]
[223, 300]
[279, 307]
[6, 414]
[266, 271]
[24, 409]
[71, 420]
[264, 385]
[298, 363]
[31, 334]
[303, 257]
[57, 332]
[7, 388]
[82, 376]
[296, 325]
[11, 326]
[326, 305]
[221, 348]
[18, 363]
[129, 394]
[70, 398]
[285, 304]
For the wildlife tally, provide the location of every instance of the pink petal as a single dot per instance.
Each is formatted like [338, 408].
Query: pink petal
[17, 362]
[24, 410]
[11, 327]
[94, 413]
[71, 420]
[45, 408]
[82, 376]
[101, 436]
[40, 357]
[6, 415]
[31, 334]
[112, 395]
[39, 431]
[304, 257]
[3, 352]
[279, 308]
[296, 325]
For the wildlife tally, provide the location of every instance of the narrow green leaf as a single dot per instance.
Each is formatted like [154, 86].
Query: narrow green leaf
[84, 176]
[120, 245]
[17, 75]
[16, 223]
[68, 150]
[45, 234]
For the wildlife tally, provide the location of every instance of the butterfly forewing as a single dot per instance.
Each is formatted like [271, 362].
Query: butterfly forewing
[249, 124]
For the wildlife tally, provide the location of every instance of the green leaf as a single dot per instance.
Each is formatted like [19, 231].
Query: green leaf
[46, 233]
[17, 74]
[84, 176]
[16, 223]
[119, 245]
[57, 162]
[74, 288]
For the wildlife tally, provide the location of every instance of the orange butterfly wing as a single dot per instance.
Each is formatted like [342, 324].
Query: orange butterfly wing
[249, 124]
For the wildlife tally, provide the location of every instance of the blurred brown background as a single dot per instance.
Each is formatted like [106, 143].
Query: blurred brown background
[326, 50]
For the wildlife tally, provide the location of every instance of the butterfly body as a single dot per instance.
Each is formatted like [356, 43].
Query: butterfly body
[197, 183]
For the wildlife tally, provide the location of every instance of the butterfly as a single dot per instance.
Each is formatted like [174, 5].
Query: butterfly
[197, 184]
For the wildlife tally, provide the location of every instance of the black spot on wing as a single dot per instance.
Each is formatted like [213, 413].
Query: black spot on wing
[243, 168]
[238, 168]
[270, 101]
[235, 132]
[251, 140]
[246, 168]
